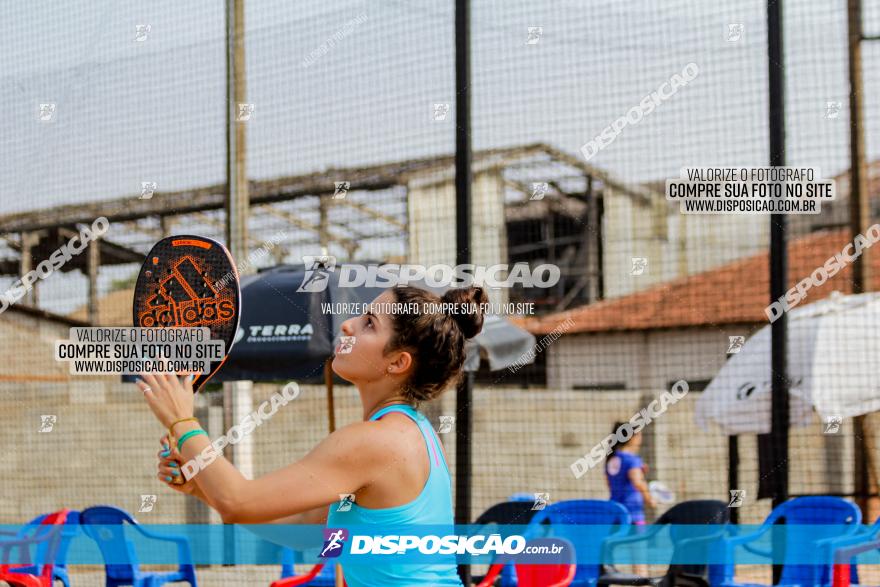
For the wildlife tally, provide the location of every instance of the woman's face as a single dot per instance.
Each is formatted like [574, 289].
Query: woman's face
[358, 357]
[636, 441]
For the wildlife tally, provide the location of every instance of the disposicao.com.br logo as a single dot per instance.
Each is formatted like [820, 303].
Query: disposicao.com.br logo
[433, 544]
[319, 268]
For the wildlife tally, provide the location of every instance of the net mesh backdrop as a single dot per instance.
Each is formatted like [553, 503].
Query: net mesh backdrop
[581, 112]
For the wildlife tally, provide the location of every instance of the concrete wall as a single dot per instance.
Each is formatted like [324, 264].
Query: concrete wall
[20, 332]
[105, 452]
[675, 244]
[638, 359]
[631, 229]
[102, 448]
[712, 240]
[431, 209]
[524, 441]
[691, 461]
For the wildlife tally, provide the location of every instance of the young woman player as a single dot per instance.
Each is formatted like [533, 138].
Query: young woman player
[625, 473]
[392, 461]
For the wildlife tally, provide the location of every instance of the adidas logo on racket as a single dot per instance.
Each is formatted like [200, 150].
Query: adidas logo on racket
[190, 281]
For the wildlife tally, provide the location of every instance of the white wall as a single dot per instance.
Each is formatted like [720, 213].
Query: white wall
[431, 208]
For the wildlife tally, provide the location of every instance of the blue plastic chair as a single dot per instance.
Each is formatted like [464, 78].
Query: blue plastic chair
[517, 512]
[696, 528]
[68, 533]
[588, 512]
[522, 497]
[114, 546]
[814, 511]
[869, 534]
[559, 574]
[44, 539]
[326, 576]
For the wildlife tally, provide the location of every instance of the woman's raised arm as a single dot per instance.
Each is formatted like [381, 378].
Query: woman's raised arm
[340, 464]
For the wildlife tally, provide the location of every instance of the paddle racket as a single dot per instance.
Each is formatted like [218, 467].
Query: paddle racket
[190, 281]
[660, 492]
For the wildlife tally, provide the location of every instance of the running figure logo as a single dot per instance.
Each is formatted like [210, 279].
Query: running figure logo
[147, 189]
[832, 110]
[539, 190]
[147, 503]
[541, 500]
[832, 424]
[535, 34]
[141, 32]
[47, 112]
[735, 32]
[446, 424]
[342, 188]
[735, 344]
[47, 422]
[345, 501]
[245, 111]
[440, 112]
[737, 496]
[639, 264]
[318, 271]
[333, 542]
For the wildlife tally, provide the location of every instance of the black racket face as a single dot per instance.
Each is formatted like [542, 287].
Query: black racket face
[189, 281]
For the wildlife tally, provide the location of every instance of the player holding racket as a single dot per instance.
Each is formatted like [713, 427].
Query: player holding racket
[392, 461]
[625, 473]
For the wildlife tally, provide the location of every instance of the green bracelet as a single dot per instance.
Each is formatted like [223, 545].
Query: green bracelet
[183, 438]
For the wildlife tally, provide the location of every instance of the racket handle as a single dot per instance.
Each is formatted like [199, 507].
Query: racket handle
[178, 480]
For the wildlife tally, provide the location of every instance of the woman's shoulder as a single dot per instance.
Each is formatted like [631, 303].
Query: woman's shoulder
[630, 458]
[373, 437]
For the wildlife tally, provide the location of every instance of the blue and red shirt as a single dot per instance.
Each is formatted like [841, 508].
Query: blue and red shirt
[617, 469]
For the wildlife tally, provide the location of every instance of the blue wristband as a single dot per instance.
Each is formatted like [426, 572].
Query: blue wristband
[186, 436]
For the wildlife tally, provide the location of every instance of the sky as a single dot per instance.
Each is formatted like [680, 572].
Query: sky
[129, 111]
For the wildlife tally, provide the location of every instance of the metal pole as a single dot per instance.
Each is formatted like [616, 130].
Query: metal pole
[464, 392]
[778, 268]
[733, 472]
[94, 266]
[237, 199]
[28, 241]
[859, 213]
[859, 219]
[328, 385]
[778, 258]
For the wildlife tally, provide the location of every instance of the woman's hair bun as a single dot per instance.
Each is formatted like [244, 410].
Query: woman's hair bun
[469, 304]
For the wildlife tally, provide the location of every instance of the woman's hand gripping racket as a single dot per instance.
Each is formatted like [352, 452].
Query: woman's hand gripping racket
[169, 467]
[190, 281]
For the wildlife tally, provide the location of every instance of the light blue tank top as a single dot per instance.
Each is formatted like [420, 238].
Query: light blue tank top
[433, 506]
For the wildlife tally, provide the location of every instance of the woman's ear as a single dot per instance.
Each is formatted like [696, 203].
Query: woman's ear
[401, 363]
